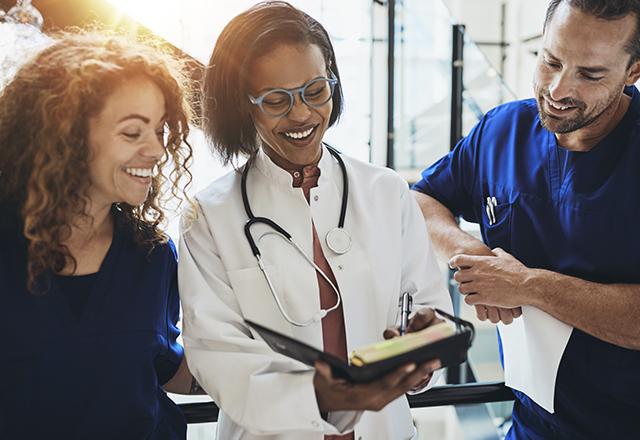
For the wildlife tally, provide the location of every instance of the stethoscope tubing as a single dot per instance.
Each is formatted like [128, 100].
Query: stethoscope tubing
[282, 233]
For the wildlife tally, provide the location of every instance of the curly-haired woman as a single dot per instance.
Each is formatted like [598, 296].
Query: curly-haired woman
[91, 132]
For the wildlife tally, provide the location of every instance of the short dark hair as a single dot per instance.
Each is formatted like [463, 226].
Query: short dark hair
[227, 120]
[606, 10]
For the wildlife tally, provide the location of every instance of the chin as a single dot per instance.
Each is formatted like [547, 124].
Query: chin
[134, 201]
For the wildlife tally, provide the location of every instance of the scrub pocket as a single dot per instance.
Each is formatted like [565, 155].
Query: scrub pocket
[497, 233]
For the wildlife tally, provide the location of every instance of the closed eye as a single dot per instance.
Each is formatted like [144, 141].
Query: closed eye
[552, 64]
[131, 136]
[592, 78]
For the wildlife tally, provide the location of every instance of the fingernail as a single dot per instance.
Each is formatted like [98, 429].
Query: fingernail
[410, 368]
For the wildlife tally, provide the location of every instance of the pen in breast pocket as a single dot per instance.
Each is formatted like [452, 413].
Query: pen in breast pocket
[492, 202]
[406, 302]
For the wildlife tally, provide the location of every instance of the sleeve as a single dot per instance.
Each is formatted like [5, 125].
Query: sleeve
[451, 179]
[262, 391]
[420, 271]
[168, 362]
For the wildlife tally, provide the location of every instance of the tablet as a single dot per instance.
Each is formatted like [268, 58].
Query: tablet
[451, 350]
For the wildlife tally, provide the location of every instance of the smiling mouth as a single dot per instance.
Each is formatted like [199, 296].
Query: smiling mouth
[298, 135]
[558, 107]
[141, 175]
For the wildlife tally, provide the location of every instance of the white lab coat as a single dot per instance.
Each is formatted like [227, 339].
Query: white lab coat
[262, 394]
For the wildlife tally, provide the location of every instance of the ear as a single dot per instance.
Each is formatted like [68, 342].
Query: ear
[633, 73]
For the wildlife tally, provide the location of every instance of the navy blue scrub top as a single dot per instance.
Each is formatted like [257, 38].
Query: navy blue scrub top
[97, 375]
[569, 212]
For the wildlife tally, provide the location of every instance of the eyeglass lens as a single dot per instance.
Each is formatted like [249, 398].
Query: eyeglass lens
[314, 94]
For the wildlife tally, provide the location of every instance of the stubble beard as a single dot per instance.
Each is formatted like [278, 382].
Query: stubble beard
[580, 120]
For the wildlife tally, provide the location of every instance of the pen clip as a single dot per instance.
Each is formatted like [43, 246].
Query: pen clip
[406, 303]
[492, 202]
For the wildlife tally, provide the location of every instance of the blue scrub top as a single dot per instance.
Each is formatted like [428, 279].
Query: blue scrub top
[569, 212]
[99, 375]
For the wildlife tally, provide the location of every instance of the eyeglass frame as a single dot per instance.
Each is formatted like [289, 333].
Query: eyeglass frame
[292, 98]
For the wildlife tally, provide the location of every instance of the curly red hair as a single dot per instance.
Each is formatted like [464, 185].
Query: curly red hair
[44, 131]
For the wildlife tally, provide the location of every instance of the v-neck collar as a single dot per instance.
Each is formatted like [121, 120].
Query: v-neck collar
[97, 293]
[599, 153]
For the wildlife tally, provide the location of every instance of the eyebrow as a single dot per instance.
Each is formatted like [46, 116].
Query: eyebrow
[135, 116]
[595, 69]
[266, 89]
[140, 117]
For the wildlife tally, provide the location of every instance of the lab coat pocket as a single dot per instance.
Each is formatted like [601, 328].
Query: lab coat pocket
[496, 225]
[254, 297]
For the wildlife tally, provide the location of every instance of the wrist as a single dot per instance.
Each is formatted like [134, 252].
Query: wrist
[534, 290]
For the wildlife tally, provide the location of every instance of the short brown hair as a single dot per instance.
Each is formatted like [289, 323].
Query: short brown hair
[44, 131]
[606, 10]
[226, 113]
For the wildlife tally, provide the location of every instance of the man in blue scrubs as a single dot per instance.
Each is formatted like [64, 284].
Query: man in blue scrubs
[554, 183]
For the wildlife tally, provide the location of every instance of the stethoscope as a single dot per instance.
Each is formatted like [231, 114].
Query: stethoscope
[337, 239]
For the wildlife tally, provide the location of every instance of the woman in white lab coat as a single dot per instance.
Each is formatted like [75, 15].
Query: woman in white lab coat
[271, 91]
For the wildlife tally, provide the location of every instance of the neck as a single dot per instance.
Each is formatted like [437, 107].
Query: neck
[588, 137]
[98, 223]
[285, 163]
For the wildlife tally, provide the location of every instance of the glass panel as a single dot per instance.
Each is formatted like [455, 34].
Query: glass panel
[423, 84]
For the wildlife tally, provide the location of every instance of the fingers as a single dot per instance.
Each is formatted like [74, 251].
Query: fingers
[421, 374]
[467, 288]
[463, 275]
[494, 316]
[505, 316]
[463, 261]
[499, 252]
[393, 379]
[481, 312]
[423, 318]
[391, 332]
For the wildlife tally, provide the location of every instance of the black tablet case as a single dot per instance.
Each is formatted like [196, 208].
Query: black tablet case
[451, 351]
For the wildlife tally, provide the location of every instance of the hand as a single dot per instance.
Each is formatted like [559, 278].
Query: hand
[335, 394]
[483, 311]
[500, 281]
[497, 314]
[423, 318]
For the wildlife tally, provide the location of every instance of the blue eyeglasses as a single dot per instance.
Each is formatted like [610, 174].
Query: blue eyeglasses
[278, 102]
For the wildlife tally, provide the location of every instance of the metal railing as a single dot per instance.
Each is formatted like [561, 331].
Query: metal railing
[469, 393]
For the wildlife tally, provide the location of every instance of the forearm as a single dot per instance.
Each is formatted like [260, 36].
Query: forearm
[609, 312]
[447, 237]
[183, 382]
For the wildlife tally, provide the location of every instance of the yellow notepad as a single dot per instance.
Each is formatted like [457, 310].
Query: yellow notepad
[402, 344]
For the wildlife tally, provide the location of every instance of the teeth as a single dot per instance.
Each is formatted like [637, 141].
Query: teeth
[140, 172]
[299, 135]
[559, 107]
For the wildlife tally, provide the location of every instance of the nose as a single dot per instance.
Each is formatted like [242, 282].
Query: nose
[300, 111]
[155, 148]
[561, 87]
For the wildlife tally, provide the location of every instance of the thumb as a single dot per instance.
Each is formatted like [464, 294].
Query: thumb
[323, 369]
[391, 332]
[499, 252]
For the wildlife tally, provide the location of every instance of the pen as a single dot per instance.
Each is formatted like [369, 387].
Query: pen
[405, 310]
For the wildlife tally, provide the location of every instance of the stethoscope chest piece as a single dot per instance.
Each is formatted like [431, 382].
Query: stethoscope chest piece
[338, 240]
